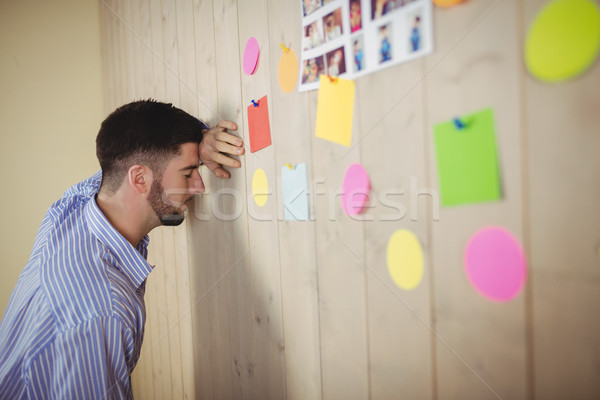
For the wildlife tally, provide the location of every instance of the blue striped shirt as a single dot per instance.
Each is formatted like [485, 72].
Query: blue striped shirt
[75, 321]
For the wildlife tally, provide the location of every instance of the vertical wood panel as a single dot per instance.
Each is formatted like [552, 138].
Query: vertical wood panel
[341, 273]
[299, 279]
[474, 68]
[564, 170]
[400, 326]
[200, 233]
[266, 362]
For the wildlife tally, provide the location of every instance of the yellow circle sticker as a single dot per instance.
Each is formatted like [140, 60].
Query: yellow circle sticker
[563, 40]
[260, 187]
[405, 259]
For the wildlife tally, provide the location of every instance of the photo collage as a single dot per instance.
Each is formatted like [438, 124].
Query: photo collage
[351, 38]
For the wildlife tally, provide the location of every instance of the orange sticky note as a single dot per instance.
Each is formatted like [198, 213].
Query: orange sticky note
[258, 125]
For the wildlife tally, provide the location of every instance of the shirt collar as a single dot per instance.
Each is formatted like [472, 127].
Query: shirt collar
[132, 260]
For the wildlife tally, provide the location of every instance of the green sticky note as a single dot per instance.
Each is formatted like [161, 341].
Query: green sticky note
[467, 159]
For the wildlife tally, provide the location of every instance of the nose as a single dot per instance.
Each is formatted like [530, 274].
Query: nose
[197, 186]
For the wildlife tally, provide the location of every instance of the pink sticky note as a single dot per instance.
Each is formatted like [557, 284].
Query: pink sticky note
[495, 264]
[250, 55]
[355, 189]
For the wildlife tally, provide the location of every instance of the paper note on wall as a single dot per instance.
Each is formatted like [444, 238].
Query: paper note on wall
[288, 70]
[260, 187]
[495, 264]
[294, 189]
[467, 159]
[258, 125]
[563, 40]
[405, 259]
[251, 52]
[335, 110]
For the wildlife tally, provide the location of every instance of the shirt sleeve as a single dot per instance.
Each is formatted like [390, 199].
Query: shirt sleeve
[90, 361]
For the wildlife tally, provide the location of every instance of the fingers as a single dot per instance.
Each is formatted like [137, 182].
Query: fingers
[229, 138]
[227, 148]
[227, 125]
[225, 160]
[218, 171]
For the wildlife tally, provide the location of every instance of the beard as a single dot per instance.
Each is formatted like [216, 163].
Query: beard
[167, 213]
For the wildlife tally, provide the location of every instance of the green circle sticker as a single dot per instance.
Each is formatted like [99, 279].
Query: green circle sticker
[563, 40]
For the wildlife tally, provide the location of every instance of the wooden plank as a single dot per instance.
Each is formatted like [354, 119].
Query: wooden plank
[266, 360]
[481, 346]
[200, 235]
[399, 321]
[223, 250]
[339, 249]
[291, 133]
[562, 195]
[172, 271]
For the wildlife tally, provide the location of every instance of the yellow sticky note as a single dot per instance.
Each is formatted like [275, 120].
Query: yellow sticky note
[288, 70]
[563, 40]
[260, 187]
[405, 259]
[335, 110]
[446, 3]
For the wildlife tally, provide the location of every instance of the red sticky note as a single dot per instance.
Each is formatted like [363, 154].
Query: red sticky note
[258, 125]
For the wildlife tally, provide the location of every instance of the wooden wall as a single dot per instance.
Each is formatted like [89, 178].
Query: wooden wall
[255, 307]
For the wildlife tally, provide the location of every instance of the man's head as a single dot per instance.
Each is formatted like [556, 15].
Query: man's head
[160, 138]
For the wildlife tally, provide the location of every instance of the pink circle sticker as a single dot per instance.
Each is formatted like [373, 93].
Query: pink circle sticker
[355, 189]
[250, 56]
[495, 264]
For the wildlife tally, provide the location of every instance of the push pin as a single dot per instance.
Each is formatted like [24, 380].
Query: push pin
[285, 49]
[458, 124]
[254, 103]
[331, 78]
[290, 166]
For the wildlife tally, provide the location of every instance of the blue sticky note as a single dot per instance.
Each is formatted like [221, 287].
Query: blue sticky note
[294, 188]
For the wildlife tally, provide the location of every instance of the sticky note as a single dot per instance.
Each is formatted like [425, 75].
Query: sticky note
[355, 189]
[467, 159]
[260, 187]
[446, 3]
[495, 264]
[259, 128]
[405, 259]
[294, 188]
[251, 52]
[288, 70]
[563, 40]
[335, 110]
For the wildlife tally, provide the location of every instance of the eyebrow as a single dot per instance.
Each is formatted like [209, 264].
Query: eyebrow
[190, 167]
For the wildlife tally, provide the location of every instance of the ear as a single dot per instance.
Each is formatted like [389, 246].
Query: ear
[140, 178]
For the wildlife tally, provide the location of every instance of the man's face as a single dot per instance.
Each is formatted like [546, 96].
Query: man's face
[177, 186]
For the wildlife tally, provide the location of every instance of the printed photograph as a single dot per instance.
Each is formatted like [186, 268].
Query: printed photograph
[336, 62]
[358, 53]
[379, 8]
[332, 24]
[313, 35]
[385, 45]
[415, 34]
[311, 69]
[355, 16]
[309, 6]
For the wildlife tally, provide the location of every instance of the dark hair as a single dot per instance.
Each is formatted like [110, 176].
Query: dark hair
[144, 132]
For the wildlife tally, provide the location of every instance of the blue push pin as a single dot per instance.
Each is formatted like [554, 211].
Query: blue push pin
[458, 124]
[255, 104]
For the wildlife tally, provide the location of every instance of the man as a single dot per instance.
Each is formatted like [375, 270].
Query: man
[75, 322]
